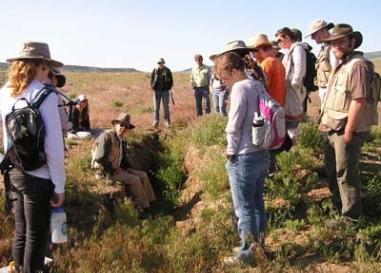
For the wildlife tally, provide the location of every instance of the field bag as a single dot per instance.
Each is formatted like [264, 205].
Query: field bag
[309, 79]
[375, 91]
[269, 123]
[376, 86]
[26, 133]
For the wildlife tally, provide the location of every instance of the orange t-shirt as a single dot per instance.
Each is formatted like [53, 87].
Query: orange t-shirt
[275, 76]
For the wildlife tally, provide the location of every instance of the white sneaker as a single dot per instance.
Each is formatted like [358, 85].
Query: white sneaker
[155, 124]
[166, 123]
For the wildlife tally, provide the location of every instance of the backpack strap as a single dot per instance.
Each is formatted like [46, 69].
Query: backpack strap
[41, 95]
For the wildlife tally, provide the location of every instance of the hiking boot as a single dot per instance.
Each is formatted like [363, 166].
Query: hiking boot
[247, 257]
[231, 260]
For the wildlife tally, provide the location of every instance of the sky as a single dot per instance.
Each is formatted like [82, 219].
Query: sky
[135, 34]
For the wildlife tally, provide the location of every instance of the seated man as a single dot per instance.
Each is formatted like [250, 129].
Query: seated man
[109, 158]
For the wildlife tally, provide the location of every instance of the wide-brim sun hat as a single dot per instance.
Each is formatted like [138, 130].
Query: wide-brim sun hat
[123, 119]
[344, 30]
[36, 50]
[258, 40]
[61, 79]
[237, 46]
[317, 25]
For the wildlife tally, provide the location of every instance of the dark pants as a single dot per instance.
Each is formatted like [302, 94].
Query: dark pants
[199, 94]
[30, 200]
[342, 165]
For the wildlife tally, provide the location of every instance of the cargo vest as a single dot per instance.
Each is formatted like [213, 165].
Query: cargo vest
[114, 153]
[323, 67]
[339, 98]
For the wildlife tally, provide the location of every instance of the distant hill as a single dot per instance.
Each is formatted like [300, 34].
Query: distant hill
[373, 55]
[3, 66]
[79, 68]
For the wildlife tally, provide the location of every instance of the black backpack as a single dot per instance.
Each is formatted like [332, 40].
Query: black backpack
[309, 79]
[26, 133]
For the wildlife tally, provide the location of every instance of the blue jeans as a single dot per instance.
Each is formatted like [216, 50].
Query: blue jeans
[30, 198]
[199, 93]
[219, 101]
[246, 177]
[158, 96]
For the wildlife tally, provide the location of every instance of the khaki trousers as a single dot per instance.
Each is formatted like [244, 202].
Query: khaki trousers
[139, 184]
[342, 165]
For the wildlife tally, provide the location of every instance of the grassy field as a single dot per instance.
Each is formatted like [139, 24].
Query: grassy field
[191, 227]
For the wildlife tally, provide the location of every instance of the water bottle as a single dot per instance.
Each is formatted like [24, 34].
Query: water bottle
[258, 120]
[58, 226]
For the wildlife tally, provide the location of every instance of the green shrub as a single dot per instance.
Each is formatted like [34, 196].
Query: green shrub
[210, 130]
[375, 135]
[170, 175]
[117, 104]
[125, 212]
[310, 136]
[213, 175]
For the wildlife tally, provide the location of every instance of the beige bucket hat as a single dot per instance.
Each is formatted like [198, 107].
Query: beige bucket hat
[317, 25]
[36, 50]
[343, 30]
[123, 119]
[237, 46]
[258, 40]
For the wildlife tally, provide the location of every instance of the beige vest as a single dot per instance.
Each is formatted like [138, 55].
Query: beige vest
[339, 98]
[323, 68]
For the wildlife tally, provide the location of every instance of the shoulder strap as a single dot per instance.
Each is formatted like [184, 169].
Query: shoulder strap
[41, 95]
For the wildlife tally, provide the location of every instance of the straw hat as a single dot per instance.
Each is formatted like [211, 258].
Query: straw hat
[36, 50]
[123, 119]
[258, 40]
[344, 30]
[317, 25]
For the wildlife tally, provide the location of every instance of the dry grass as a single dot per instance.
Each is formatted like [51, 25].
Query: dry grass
[132, 91]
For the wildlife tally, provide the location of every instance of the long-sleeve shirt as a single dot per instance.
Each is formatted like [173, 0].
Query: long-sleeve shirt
[54, 168]
[243, 104]
[200, 76]
[295, 63]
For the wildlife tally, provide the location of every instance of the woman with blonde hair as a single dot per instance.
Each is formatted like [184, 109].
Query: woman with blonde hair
[34, 192]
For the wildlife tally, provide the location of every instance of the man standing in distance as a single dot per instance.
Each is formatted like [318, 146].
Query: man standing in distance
[161, 83]
[200, 78]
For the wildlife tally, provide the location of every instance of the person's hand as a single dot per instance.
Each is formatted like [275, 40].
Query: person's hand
[347, 136]
[231, 158]
[57, 200]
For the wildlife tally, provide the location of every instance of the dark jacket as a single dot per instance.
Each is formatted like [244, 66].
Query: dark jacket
[80, 120]
[161, 79]
[106, 152]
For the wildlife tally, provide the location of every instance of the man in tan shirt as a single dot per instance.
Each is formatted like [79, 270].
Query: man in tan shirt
[346, 119]
[200, 79]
